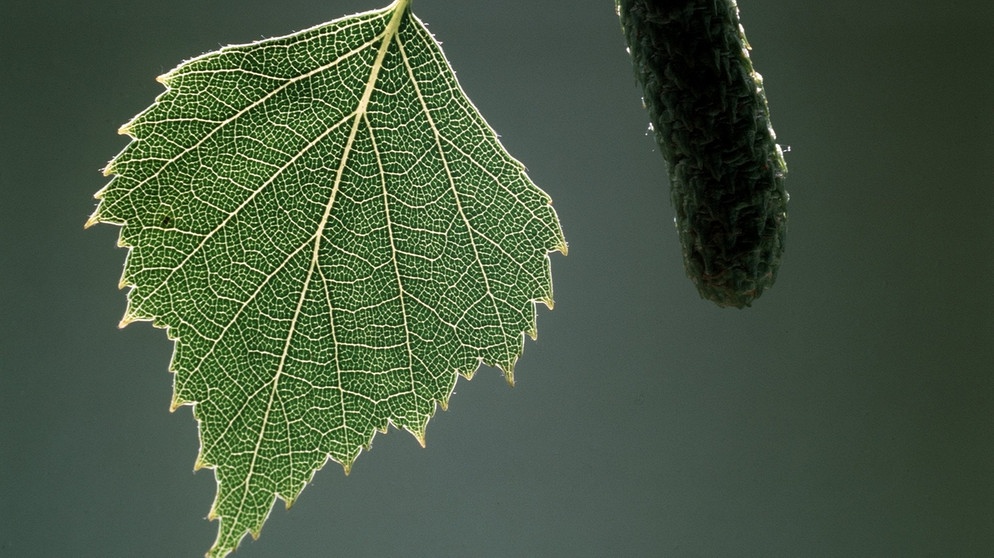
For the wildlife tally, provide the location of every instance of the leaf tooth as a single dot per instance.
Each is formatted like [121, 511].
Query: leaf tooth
[103, 191]
[93, 220]
[419, 436]
[420, 429]
[131, 314]
[176, 403]
[471, 371]
[508, 373]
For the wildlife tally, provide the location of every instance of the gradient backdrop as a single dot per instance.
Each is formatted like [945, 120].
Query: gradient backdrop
[850, 412]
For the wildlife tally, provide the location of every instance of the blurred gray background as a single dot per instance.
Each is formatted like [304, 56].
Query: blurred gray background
[850, 412]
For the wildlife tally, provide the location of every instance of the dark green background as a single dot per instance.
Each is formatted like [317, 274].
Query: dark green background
[849, 413]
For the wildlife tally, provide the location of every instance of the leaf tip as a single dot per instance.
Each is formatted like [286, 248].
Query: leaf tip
[562, 248]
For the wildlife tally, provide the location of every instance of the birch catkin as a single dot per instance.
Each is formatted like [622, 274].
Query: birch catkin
[711, 120]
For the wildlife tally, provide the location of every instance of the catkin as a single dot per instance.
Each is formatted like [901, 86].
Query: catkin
[712, 123]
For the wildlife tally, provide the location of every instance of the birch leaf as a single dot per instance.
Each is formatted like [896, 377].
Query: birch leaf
[331, 233]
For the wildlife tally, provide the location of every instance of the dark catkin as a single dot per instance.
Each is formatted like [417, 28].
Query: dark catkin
[712, 123]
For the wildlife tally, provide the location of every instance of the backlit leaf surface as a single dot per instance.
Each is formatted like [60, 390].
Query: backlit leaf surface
[331, 233]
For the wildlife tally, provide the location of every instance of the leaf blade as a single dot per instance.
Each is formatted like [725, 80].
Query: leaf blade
[331, 233]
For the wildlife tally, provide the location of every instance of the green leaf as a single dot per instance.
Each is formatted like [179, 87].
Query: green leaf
[332, 234]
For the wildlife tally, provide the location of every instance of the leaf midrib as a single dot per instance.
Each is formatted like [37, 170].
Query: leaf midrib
[400, 9]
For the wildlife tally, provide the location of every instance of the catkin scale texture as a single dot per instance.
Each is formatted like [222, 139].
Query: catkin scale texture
[711, 120]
